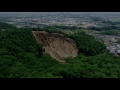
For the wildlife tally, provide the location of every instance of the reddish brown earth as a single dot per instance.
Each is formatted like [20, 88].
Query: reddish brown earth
[56, 45]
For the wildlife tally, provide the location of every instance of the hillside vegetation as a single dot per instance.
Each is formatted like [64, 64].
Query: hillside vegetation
[22, 57]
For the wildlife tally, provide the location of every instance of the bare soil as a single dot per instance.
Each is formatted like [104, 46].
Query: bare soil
[56, 45]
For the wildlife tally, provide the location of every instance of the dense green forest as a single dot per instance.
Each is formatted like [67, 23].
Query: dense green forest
[110, 32]
[22, 57]
[103, 28]
[67, 27]
[87, 44]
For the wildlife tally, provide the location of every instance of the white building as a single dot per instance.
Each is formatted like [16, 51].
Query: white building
[118, 46]
[118, 51]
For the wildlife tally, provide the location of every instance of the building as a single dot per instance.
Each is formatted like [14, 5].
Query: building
[118, 46]
[118, 51]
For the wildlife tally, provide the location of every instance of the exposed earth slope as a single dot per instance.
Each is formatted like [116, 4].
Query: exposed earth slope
[56, 45]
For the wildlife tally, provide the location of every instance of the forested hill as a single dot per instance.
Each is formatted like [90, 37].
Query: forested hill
[4, 26]
[22, 57]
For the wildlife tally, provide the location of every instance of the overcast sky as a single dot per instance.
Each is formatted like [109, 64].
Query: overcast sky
[61, 12]
[42, 13]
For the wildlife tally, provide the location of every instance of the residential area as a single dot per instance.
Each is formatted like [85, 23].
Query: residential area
[111, 43]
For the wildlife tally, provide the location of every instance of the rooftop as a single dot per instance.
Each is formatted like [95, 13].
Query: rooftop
[118, 51]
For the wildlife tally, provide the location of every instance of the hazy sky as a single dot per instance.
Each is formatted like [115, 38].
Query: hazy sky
[45, 13]
[60, 12]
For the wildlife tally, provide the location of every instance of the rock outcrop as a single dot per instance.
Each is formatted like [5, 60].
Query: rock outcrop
[56, 45]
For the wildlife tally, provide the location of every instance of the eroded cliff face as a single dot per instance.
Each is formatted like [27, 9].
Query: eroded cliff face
[56, 45]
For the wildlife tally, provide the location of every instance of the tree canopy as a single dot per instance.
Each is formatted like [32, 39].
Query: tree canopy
[22, 57]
